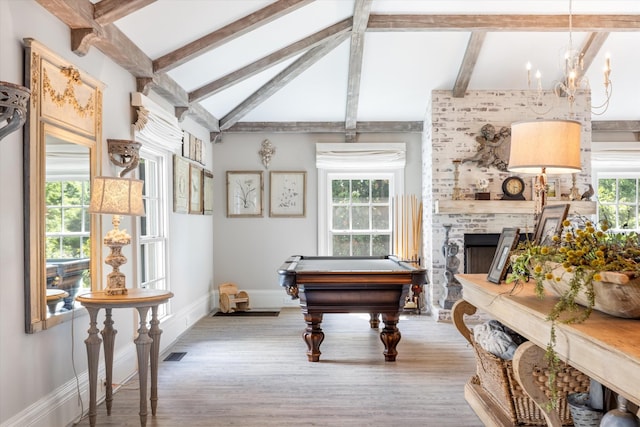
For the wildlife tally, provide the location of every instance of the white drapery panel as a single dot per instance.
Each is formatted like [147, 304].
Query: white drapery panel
[373, 156]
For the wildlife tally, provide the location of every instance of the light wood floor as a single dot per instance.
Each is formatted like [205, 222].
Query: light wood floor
[253, 371]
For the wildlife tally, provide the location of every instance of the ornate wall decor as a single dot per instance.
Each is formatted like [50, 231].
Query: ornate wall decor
[13, 107]
[452, 288]
[124, 153]
[267, 152]
[493, 148]
[62, 138]
[68, 95]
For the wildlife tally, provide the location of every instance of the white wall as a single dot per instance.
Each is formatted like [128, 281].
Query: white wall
[38, 383]
[249, 251]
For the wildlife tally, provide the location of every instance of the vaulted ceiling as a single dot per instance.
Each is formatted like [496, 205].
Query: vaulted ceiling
[352, 66]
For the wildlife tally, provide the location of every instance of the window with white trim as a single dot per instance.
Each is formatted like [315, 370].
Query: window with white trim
[360, 214]
[618, 201]
[356, 186]
[616, 169]
[160, 134]
[152, 241]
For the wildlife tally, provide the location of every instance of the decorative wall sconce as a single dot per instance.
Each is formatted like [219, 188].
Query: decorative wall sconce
[13, 107]
[267, 152]
[124, 153]
[118, 196]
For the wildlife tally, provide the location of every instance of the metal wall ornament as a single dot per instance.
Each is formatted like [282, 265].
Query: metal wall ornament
[124, 153]
[267, 152]
[14, 100]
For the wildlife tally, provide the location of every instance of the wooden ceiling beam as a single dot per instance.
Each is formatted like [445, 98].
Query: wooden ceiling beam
[227, 33]
[168, 89]
[361, 12]
[270, 60]
[77, 14]
[108, 11]
[321, 127]
[615, 126]
[468, 63]
[591, 47]
[538, 23]
[280, 80]
[86, 32]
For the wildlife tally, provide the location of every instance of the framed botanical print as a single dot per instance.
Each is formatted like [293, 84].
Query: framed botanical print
[180, 184]
[287, 194]
[195, 190]
[244, 193]
[207, 192]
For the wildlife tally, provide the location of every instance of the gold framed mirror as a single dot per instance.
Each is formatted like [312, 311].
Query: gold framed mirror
[61, 156]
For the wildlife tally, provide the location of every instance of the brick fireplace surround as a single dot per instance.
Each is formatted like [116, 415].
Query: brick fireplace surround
[450, 130]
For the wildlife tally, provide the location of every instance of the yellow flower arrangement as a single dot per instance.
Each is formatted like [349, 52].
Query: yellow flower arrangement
[585, 251]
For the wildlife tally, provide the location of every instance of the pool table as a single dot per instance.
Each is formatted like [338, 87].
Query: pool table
[376, 285]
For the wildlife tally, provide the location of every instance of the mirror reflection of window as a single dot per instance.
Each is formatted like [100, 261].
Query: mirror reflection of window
[67, 222]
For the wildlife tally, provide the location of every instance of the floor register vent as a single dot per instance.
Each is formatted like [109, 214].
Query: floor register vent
[174, 357]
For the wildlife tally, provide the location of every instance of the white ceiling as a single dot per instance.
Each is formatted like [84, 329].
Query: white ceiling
[399, 69]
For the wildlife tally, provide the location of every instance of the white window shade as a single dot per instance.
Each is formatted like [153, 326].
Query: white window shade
[156, 124]
[350, 156]
[616, 156]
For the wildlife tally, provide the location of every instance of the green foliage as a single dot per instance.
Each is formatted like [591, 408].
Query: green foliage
[585, 251]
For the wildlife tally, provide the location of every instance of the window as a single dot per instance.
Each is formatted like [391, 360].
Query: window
[618, 201]
[68, 219]
[616, 166]
[360, 215]
[152, 235]
[356, 186]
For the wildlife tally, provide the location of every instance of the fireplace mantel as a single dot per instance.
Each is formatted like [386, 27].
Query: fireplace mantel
[506, 207]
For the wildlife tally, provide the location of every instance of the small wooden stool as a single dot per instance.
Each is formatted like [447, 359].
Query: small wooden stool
[229, 295]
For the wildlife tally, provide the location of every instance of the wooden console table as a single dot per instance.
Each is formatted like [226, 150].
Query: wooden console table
[604, 347]
[147, 343]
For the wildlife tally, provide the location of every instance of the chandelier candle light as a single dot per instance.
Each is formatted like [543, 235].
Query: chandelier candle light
[573, 78]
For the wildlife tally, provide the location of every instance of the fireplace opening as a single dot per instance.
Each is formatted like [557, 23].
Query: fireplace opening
[479, 250]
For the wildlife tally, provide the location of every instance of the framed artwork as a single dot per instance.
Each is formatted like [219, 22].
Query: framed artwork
[508, 241]
[553, 189]
[244, 193]
[287, 194]
[207, 192]
[195, 190]
[550, 223]
[180, 184]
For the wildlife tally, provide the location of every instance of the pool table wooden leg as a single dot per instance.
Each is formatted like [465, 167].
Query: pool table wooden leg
[313, 335]
[374, 320]
[390, 336]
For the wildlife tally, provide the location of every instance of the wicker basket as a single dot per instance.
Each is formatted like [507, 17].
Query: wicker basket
[496, 376]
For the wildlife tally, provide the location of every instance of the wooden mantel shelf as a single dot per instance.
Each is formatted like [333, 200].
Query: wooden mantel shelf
[506, 207]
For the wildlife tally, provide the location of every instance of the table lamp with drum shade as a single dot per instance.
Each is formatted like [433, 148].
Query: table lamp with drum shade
[544, 147]
[117, 196]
